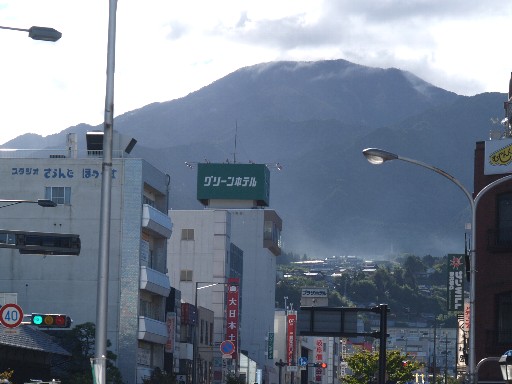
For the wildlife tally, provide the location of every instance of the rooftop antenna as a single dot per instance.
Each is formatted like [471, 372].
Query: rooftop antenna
[236, 134]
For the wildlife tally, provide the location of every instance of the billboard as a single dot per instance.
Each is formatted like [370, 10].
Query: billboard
[291, 337]
[498, 157]
[233, 182]
[455, 285]
[232, 313]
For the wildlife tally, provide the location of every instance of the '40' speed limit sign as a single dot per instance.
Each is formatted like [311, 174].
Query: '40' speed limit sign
[11, 315]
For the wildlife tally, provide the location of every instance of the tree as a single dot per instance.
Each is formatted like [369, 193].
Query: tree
[80, 342]
[364, 365]
[232, 379]
[6, 375]
[160, 377]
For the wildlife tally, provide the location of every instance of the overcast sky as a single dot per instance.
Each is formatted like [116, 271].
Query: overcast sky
[166, 49]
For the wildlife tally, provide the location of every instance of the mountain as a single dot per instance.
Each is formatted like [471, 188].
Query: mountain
[315, 118]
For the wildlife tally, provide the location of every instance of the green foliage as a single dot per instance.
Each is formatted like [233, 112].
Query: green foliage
[6, 375]
[364, 364]
[160, 377]
[232, 379]
[398, 283]
[80, 342]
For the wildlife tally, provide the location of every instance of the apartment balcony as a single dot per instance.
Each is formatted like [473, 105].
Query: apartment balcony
[158, 223]
[154, 281]
[152, 331]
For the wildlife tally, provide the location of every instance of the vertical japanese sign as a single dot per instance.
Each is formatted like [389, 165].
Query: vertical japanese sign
[319, 357]
[270, 346]
[171, 332]
[291, 331]
[455, 286]
[232, 313]
[462, 343]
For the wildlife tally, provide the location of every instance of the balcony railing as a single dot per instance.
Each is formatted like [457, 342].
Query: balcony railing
[56, 153]
[156, 222]
[154, 281]
[151, 330]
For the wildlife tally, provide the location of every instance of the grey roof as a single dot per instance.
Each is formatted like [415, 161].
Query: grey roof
[28, 337]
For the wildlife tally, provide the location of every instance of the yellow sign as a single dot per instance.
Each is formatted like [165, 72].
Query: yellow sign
[498, 157]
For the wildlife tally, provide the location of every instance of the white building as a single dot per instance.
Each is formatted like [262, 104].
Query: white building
[234, 238]
[140, 227]
[212, 245]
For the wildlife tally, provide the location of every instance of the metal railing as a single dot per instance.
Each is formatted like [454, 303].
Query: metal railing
[58, 153]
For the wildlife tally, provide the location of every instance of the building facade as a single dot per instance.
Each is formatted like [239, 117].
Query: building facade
[210, 246]
[140, 227]
[493, 291]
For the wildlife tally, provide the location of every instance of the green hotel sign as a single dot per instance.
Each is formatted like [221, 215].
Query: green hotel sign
[233, 182]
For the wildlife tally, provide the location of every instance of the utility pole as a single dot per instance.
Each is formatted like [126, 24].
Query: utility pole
[434, 368]
[445, 357]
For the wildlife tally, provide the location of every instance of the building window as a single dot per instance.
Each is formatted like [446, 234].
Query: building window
[187, 234]
[59, 195]
[186, 275]
[504, 318]
[505, 219]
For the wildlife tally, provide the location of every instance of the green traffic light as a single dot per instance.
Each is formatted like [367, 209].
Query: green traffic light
[37, 320]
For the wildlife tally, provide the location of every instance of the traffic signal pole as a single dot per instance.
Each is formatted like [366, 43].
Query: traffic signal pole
[280, 364]
[382, 342]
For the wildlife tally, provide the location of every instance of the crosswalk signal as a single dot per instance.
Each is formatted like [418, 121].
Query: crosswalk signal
[51, 321]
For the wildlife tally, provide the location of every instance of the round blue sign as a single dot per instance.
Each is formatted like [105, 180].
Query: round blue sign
[227, 347]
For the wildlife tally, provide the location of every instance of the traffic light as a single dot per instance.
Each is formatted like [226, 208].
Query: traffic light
[405, 363]
[55, 244]
[51, 321]
[320, 365]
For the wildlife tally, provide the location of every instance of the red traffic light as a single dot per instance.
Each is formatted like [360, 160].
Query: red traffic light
[51, 321]
[321, 365]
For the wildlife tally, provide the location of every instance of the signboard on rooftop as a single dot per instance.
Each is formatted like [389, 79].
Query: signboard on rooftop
[233, 182]
[498, 157]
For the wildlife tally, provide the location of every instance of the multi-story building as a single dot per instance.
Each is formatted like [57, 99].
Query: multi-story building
[139, 229]
[233, 238]
[493, 283]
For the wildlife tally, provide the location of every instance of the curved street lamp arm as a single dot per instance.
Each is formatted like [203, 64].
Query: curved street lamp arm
[442, 173]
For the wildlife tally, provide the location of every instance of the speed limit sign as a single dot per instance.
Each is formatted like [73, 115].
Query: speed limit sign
[11, 315]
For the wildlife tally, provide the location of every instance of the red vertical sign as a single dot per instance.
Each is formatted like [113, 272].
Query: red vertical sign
[291, 321]
[319, 357]
[232, 313]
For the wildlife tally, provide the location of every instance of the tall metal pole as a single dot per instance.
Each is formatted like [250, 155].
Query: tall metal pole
[106, 192]
[445, 358]
[379, 156]
[194, 334]
[382, 342]
[194, 339]
[434, 361]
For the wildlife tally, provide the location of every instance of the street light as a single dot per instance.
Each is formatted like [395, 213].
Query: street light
[39, 33]
[379, 156]
[100, 345]
[194, 336]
